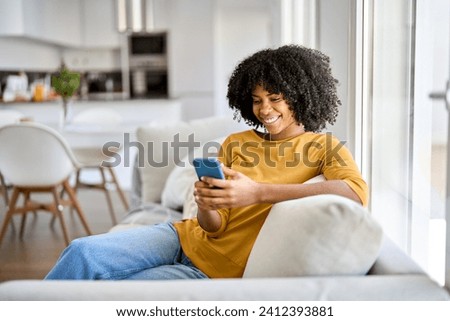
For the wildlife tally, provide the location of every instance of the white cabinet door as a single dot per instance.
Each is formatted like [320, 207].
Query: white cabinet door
[11, 22]
[99, 24]
[56, 21]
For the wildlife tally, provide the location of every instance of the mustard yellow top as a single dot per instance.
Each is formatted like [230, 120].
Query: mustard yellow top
[295, 160]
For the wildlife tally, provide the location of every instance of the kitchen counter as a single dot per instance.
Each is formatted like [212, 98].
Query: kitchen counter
[133, 111]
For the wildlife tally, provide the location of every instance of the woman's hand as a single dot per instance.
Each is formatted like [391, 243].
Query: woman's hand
[238, 190]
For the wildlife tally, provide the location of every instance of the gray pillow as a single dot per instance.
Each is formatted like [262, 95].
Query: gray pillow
[317, 235]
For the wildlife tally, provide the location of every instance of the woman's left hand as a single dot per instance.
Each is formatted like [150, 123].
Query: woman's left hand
[236, 191]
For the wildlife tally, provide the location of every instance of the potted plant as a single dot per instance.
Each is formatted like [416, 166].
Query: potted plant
[66, 84]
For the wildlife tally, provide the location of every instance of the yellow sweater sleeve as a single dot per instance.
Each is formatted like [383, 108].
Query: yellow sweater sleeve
[338, 164]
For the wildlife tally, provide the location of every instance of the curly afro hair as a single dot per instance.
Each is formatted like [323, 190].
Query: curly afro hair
[302, 75]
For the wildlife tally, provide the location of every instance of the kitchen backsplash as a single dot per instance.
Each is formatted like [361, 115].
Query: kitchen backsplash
[35, 86]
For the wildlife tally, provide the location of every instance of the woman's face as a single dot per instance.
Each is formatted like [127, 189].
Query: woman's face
[274, 113]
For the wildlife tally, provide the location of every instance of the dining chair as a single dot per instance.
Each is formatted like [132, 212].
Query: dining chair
[8, 116]
[93, 159]
[4, 189]
[35, 158]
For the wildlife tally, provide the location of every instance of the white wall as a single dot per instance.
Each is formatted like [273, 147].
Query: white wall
[96, 59]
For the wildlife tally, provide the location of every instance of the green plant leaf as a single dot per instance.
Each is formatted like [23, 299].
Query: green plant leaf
[67, 83]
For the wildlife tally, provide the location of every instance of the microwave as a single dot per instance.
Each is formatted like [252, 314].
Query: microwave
[147, 50]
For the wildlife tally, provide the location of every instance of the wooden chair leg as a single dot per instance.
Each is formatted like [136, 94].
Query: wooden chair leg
[26, 198]
[119, 189]
[10, 212]
[4, 188]
[108, 196]
[75, 188]
[60, 215]
[76, 205]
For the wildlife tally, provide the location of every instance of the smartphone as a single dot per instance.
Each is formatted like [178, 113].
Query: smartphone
[209, 167]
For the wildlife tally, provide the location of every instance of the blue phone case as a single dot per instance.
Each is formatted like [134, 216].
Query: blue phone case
[209, 167]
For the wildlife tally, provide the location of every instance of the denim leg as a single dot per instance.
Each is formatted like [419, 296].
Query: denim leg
[181, 269]
[118, 255]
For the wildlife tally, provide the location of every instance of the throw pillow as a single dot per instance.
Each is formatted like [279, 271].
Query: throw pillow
[179, 185]
[176, 189]
[317, 235]
[189, 205]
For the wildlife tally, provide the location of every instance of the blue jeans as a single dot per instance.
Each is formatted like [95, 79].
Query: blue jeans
[145, 253]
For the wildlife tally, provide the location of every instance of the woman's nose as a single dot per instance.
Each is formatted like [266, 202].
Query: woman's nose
[265, 107]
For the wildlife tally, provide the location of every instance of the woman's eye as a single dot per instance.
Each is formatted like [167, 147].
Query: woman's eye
[275, 99]
[256, 102]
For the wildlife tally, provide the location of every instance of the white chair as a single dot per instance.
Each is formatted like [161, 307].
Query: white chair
[4, 189]
[36, 159]
[7, 117]
[92, 158]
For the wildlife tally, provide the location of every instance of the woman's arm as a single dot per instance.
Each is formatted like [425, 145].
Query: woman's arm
[271, 193]
[240, 190]
[207, 215]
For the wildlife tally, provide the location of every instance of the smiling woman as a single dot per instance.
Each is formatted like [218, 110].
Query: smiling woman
[217, 243]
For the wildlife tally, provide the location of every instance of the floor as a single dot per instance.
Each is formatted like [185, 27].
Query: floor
[34, 255]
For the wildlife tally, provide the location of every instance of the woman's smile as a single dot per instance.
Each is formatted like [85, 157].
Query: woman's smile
[270, 120]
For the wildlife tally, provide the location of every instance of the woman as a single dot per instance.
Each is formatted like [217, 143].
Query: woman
[291, 93]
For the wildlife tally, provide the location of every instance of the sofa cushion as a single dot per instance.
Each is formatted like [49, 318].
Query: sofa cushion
[317, 235]
[158, 157]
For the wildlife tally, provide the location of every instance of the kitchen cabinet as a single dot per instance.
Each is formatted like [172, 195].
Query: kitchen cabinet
[12, 22]
[99, 30]
[191, 56]
[55, 21]
[69, 23]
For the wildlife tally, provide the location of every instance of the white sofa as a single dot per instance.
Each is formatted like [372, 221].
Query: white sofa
[338, 255]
